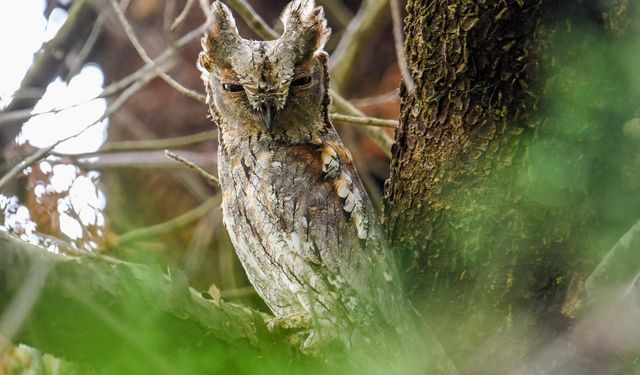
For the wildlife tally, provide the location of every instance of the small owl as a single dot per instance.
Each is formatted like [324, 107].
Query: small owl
[296, 211]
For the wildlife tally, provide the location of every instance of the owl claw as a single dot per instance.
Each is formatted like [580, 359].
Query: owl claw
[300, 331]
[290, 323]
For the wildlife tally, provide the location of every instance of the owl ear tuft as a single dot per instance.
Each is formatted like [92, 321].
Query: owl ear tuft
[305, 27]
[220, 40]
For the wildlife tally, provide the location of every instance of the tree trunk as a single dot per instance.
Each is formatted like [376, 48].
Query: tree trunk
[503, 155]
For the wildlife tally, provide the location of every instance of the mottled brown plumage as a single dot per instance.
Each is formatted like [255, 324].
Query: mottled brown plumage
[296, 211]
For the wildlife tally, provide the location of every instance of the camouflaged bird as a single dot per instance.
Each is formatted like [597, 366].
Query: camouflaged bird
[296, 211]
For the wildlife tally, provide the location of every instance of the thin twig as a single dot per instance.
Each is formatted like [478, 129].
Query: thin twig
[378, 135]
[128, 29]
[24, 114]
[151, 68]
[150, 144]
[204, 6]
[171, 225]
[27, 162]
[119, 102]
[336, 7]
[182, 16]
[369, 121]
[145, 72]
[213, 181]
[141, 160]
[357, 34]
[47, 62]
[392, 95]
[169, 11]
[399, 46]
[253, 19]
[88, 45]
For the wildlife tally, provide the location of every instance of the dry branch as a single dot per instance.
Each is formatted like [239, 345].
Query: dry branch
[47, 63]
[359, 31]
[147, 59]
[144, 160]
[152, 144]
[368, 121]
[339, 10]
[150, 70]
[171, 225]
[43, 152]
[211, 179]
[399, 46]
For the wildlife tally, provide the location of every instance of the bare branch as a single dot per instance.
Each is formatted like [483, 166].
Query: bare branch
[376, 100]
[213, 181]
[378, 135]
[204, 6]
[148, 60]
[253, 19]
[151, 144]
[336, 7]
[359, 31]
[399, 46]
[171, 225]
[29, 161]
[119, 102]
[368, 121]
[48, 60]
[169, 10]
[152, 68]
[88, 45]
[146, 72]
[142, 159]
[182, 16]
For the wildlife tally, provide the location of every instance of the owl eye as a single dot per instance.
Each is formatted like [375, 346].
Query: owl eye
[232, 87]
[301, 81]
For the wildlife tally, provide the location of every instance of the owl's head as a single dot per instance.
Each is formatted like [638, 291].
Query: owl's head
[269, 84]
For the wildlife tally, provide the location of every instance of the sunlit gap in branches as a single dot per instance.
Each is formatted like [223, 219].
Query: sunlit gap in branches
[53, 183]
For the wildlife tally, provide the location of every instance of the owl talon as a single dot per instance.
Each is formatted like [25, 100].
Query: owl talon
[290, 323]
[300, 331]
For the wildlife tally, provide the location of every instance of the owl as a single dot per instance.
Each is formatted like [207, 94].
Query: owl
[296, 211]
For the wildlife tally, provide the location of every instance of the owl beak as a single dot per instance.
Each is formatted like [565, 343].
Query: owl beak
[269, 113]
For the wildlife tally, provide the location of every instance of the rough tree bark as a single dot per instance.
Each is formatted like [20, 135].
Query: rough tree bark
[497, 250]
